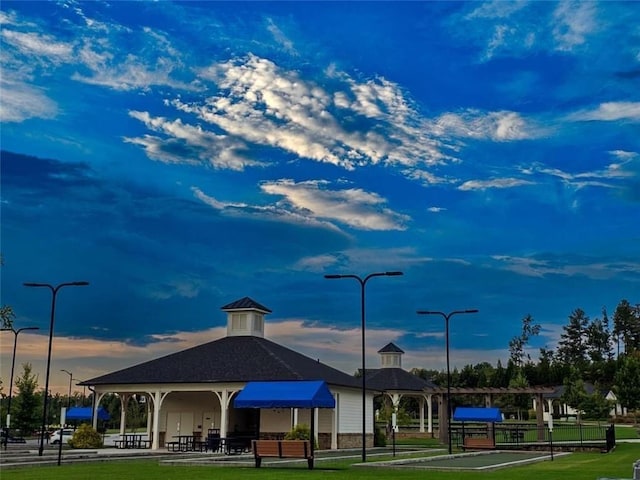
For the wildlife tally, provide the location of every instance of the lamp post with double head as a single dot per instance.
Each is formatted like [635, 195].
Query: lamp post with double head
[70, 380]
[13, 364]
[54, 292]
[363, 283]
[446, 317]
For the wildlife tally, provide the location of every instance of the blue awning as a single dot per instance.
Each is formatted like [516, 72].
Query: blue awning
[84, 413]
[291, 394]
[477, 414]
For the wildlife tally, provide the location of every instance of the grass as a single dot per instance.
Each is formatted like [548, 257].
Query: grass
[578, 466]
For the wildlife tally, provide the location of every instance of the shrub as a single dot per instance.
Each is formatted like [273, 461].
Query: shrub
[299, 432]
[85, 437]
[379, 438]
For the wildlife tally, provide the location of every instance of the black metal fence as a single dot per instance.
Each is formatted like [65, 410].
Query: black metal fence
[526, 435]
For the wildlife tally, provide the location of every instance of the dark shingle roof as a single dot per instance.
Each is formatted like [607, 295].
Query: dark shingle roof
[245, 303]
[390, 348]
[395, 379]
[558, 391]
[229, 359]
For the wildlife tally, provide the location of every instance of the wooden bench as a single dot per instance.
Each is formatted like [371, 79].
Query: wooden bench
[478, 443]
[282, 449]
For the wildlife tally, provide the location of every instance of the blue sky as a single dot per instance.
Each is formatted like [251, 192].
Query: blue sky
[180, 156]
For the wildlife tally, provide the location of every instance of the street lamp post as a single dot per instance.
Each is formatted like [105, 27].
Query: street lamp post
[446, 317]
[70, 380]
[363, 283]
[13, 363]
[54, 292]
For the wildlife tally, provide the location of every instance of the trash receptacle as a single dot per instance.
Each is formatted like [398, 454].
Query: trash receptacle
[636, 470]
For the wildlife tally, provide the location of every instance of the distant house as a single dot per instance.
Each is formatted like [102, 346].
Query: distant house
[560, 409]
[191, 391]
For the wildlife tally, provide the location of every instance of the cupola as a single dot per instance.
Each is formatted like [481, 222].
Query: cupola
[245, 317]
[391, 356]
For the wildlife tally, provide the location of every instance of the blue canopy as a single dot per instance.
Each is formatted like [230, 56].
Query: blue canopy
[477, 414]
[84, 413]
[291, 394]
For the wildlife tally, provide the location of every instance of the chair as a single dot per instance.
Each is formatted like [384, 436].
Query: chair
[213, 442]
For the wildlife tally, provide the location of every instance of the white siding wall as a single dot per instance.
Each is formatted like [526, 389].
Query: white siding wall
[350, 420]
[325, 420]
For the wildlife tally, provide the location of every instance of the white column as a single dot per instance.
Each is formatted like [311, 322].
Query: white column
[149, 416]
[295, 417]
[421, 408]
[315, 413]
[336, 425]
[430, 413]
[124, 399]
[223, 396]
[155, 443]
[96, 405]
[550, 419]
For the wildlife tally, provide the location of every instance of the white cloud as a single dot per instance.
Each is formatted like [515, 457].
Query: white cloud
[38, 45]
[624, 155]
[573, 21]
[353, 207]
[533, 267]
[21, 101]
[266, 105]
[494, 183]
[317, 263]
[436, 209]
[280, 37]
[609, 111]
[190, 144]
[497, 126]
[278, 213]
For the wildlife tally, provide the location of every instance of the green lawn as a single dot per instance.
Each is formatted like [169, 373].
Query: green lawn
[578, 466]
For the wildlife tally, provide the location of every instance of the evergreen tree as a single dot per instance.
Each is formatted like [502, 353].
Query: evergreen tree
[598, 338]
[627, 386]
[27, 410]
[626, 321]
[572, 348]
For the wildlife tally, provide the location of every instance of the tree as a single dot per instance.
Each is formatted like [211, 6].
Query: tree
[626, 326]
[574, 394]
[518, 344]
[519, 400]
[27, 403]
[572, 348]
[627, 381]
[595, 406]
[598, 339]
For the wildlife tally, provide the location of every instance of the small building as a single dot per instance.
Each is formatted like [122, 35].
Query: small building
[192, 391]
[395, 383]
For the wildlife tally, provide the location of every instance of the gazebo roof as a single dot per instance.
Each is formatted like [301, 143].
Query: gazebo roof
[229, 359]
[396, 379]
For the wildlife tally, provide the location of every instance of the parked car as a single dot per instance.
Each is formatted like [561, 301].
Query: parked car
[66, 435]
[6, 437]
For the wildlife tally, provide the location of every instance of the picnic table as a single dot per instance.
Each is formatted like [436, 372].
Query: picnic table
[133, 440]
[186, 443]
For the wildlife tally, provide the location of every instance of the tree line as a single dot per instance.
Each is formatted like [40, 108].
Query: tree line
[598, 352]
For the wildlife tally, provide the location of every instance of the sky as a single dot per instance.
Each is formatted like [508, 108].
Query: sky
[179, 156]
